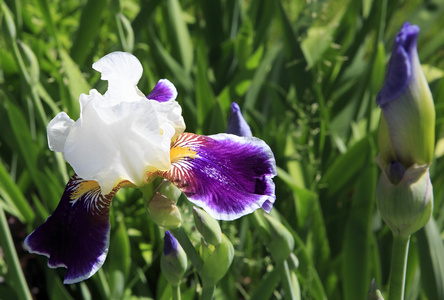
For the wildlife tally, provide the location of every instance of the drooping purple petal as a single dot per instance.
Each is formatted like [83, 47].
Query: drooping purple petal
[76, 235]
[399, 69]
[227, 175]
[236, 122]
[163, 91]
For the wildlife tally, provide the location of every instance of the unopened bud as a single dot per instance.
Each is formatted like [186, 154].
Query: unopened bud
[373, 292]
[173, 261]
[217, 264]
[282, 241]
[207, 226]
[164, 212]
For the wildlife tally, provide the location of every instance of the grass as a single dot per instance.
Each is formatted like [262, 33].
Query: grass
[305, 74]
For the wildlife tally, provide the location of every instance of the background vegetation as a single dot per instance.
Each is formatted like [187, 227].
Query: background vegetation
[306, 75]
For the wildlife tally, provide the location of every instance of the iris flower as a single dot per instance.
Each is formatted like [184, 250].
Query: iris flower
[126, 139]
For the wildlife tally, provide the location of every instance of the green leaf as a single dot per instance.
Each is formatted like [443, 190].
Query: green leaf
[356, 250]
[119, 260]
[15, 201]
[179, 34]
[89, 27]
[431, 257]
[346, 167]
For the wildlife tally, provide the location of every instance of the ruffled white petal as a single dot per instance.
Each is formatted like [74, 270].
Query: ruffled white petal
[57, 131]
[120, 135]
[123, 71]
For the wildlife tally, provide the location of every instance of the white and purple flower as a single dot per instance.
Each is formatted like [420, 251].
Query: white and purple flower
[124, 139]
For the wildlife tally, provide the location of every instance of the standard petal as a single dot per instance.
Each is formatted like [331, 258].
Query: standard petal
[123, 71]
[236, 122]
[163, 91]
[227, 175]
[110, 144]
[76, 235]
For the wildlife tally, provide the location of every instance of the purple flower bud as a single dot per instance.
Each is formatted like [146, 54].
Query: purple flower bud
[170, 243]
[173, 262]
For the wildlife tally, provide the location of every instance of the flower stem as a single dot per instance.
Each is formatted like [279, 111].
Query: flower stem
[398, 267]
[15, 272]
[287, 281]
[186, 244]
[175, 292]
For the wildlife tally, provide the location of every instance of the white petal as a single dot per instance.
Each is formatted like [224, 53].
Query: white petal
[170, 117]
[121, 135]
[115, 143]
[58, 130]
[123, 71]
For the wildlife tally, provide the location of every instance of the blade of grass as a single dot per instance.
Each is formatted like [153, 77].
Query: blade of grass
[15, 272]
[356, 249]
[89, 27]
[182, 47]
[431, 256]
[14, 197]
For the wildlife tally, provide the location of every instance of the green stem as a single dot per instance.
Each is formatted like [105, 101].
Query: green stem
[398, 267]
[15, 272]
[175, 292]
[268, 284]
[186, 244]
[287, 281]
[208, 293]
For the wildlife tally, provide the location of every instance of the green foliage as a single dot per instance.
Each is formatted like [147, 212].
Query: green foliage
[305, 74]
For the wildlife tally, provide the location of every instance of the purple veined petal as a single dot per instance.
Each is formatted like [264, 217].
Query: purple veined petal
[399, 70]
[76, 235]
[163, 91]
[227, 175]
[236, 122]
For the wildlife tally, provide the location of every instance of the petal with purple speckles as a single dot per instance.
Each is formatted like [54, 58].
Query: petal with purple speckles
[227, 175]
[76, 235]
[163, 91]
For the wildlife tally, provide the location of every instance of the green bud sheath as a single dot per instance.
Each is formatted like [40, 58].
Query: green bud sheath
[406, 206]
[207, 226]
[218, 263]
[281, 244]
[164, 211]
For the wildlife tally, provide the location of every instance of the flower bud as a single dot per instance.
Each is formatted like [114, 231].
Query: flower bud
[282, 242]
[164, 212]
[218, 263]
[407, 205]
[207, 226]
[173, 261]
[407, 127]
[373, 292]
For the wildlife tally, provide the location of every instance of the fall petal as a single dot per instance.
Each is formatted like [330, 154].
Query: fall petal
[227, 175]
[76, 235]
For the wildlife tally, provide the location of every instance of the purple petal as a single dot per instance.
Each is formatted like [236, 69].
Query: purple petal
[236, 122]
[76, 235]
[163, 91]
[227, 175]
[399, 69]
